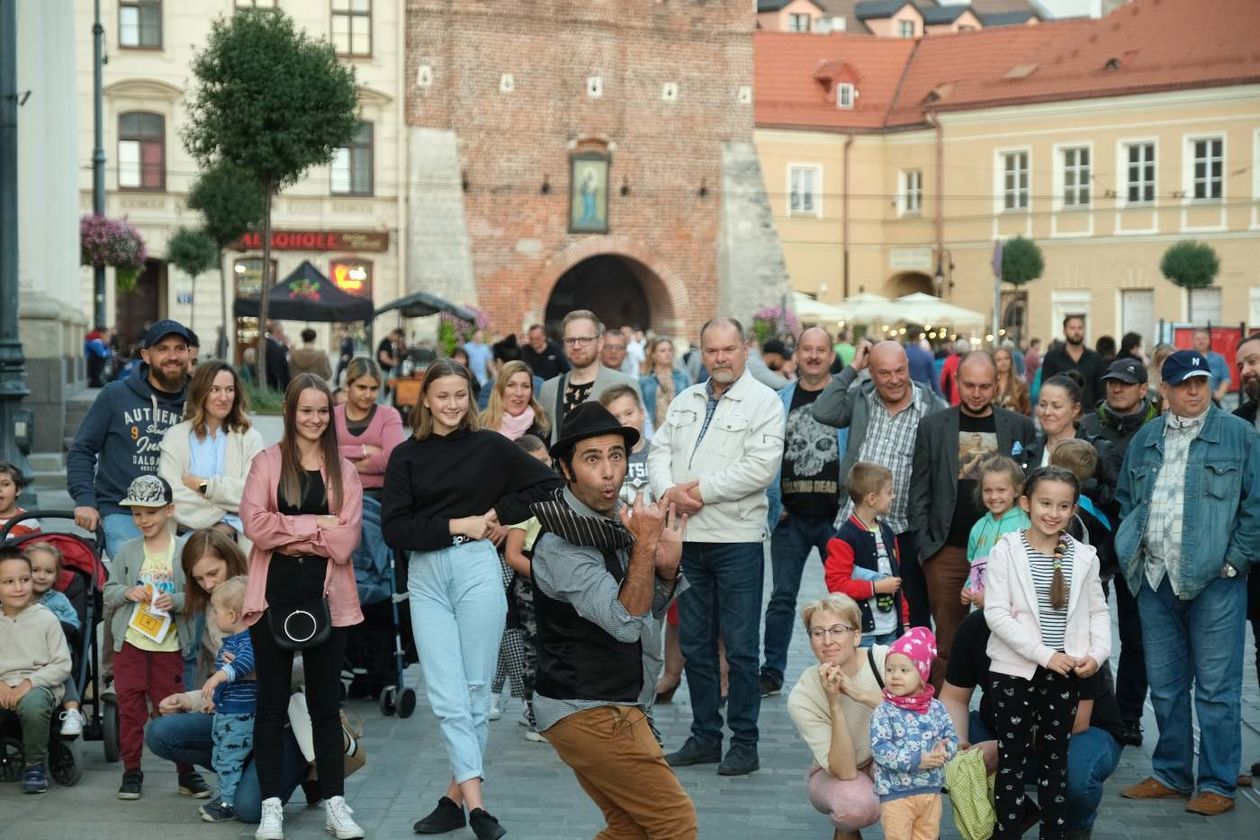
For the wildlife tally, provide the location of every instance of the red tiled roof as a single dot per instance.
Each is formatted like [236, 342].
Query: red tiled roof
[1150, 45]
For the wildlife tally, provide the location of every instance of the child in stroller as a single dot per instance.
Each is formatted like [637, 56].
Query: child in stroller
[45, 570]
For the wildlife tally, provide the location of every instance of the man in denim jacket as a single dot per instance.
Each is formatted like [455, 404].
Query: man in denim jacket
[1189, 495]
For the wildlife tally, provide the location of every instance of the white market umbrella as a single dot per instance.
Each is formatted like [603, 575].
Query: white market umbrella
[812, 311]
[920, 308]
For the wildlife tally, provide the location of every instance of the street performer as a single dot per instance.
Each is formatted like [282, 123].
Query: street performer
[600, 573]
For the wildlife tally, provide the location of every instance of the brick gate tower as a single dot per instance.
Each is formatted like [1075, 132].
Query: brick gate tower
[592, 154]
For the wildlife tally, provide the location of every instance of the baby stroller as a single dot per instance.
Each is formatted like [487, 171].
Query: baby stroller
[379, 650]
[82, 581]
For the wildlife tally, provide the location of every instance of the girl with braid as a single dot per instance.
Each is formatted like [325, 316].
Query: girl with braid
[1050, 629]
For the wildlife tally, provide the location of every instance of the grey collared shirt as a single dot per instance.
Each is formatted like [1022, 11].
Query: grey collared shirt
[1165, 521]
[576, 575]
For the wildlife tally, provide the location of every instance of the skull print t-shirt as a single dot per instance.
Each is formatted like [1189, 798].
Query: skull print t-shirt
[811, 461]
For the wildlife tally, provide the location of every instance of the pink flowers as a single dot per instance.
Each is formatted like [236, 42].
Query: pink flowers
[112, 242]
[772, 321]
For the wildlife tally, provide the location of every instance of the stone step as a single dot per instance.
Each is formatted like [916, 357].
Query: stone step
[42, 462]
[77, 406]
[49, 479]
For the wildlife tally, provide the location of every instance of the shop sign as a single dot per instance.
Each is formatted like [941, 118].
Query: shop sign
[316, 240]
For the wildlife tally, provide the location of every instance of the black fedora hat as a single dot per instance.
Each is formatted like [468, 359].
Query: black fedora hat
[588, 420]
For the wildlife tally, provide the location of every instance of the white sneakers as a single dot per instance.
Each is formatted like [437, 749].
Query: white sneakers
[271, 824]
[338, 822]
[496, 711]
[72, 722]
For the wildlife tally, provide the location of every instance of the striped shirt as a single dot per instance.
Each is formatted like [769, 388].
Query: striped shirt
[889, 442]
[1053, 622]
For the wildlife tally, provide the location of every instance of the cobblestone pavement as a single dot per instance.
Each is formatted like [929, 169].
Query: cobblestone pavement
[536, 796]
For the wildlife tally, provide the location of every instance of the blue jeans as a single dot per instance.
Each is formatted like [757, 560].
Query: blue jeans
[188, 739]
[870, 639]
[725, 592]
[1200, 643]
[458, 609]
[119, 528]
[233, 745]
[372, 573]
[1093, 756]
[793, 537]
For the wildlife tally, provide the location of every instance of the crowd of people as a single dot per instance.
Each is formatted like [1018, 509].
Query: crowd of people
[594, 530]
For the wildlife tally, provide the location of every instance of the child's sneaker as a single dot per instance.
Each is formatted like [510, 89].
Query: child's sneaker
[191, 784]
[130, 787]
[72, 721]
[271, 823]
[337, 820]
[35, 779]
[217, 812]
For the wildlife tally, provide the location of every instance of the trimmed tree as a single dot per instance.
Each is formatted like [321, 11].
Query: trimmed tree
[231, 203]
[1190, 264]
[194, 253]
[1021, 261]
[274, 102]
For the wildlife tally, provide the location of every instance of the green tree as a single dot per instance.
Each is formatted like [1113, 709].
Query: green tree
[1190, 264]
[192, 252]
[231, 203]
[273, 101]
[1021, 261]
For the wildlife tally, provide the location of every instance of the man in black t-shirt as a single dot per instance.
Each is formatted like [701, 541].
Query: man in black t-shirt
[948, 449]
[808, 488]
[544, 357]
[1074, 355]
[1094, 750]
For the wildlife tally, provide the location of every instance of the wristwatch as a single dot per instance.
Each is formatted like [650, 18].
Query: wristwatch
[1229, 570]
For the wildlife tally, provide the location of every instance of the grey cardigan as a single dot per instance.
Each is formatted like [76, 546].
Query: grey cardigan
[934, 478]
[124, 572]
[553, 389]
[843, 404]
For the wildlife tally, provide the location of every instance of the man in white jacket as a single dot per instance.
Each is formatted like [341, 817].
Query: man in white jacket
[719, 449]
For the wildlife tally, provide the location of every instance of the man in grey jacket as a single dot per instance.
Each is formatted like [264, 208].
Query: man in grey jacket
[882, 415]
[583, 340]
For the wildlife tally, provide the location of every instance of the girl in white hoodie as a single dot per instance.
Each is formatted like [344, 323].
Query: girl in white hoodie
[1050, 629]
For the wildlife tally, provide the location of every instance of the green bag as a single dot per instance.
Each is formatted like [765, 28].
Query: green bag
[971, 794]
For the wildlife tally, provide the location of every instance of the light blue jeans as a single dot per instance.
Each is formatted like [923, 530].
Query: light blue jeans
[1196, 644]
[458, 609]
[119, 528]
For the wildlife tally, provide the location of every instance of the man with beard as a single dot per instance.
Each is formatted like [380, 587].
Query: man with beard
[120, 437]
[1117, 419]
[1247, 357]
[718, 450]
[1074, 355]
[588, 380]
[804, 497]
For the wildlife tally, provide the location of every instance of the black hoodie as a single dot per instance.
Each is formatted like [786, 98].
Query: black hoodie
[124, 427]
[1119, 429]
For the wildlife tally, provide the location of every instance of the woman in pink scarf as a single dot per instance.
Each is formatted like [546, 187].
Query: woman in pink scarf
[513, 410]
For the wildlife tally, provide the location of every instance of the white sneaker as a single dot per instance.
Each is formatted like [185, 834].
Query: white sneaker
[496, 711]
[72, 721]
[532, 734]
[337, 820]
[271, 824]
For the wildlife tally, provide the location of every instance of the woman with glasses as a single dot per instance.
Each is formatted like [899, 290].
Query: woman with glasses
[831, 707]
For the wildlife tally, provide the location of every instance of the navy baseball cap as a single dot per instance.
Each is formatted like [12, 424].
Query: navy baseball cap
[1128, 371]
[161, 329]
[1183, 365]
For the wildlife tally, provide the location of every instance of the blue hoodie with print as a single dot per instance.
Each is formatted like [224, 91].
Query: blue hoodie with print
[124, 427]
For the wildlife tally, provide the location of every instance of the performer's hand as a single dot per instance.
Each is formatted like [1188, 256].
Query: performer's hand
[669, 546]
[645, 521]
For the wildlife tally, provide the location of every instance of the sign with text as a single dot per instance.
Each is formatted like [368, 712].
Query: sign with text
[316, 240]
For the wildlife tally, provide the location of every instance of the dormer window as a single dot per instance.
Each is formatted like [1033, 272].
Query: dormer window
[844, 95]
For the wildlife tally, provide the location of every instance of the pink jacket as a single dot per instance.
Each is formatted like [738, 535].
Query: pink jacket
[1010, 609]
[272, 531]
[385, 430]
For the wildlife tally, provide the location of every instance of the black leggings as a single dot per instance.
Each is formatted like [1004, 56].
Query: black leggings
[1048, 703]
[321, 668]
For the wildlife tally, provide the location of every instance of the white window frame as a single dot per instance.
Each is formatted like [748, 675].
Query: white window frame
[910, 192]
[794, 21]
[1083, 175]
[999, 181]
[816, 193]
[846, 95]
[1123, 169]
[1188, 164]
[901, 29]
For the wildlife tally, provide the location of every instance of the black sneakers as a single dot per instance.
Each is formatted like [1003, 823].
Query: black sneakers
[771, 683]
[214, 812]
[191, 784]
[131, 783]
[693, 752]
[485, 826]
[447, 816]
[741, 759]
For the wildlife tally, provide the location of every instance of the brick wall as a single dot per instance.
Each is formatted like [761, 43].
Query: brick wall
[510, 143]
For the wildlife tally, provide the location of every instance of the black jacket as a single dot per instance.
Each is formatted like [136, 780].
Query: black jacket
[1090, 368]
[934, 477]
[1117, 429]
[1102, 487]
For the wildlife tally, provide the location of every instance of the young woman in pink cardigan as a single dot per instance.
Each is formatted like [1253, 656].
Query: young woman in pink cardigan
[302, 509]
[367, 431]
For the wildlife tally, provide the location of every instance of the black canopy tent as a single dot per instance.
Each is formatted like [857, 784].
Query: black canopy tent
[307, 295]
[422, 304]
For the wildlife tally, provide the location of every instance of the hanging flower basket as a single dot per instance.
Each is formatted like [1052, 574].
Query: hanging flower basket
[113, 243]
[453, 331]
[773, 321]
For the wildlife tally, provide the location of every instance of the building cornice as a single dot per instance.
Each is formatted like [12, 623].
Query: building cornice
[143, 88]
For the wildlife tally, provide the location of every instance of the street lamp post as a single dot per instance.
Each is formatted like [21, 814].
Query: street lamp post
[98, 158]
[12, 362]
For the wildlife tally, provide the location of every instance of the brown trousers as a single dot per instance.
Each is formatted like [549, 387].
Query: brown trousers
[621, 767]
[946, 572]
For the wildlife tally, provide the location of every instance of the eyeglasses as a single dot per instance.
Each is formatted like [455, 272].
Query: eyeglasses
[836, 631]
[580, 340]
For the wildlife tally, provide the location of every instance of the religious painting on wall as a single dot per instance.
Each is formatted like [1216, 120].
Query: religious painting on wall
[588, 192]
